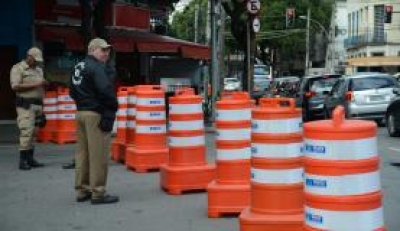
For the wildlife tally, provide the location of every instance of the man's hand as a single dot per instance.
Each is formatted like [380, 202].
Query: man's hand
[44, 83]
[29, 86]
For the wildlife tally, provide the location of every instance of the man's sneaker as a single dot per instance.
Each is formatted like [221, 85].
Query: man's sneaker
[106, 199]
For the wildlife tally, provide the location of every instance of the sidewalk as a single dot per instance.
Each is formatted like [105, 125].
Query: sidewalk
[44, 199]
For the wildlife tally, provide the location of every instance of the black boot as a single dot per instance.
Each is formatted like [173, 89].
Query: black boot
[70, 165]
[32, 162]
[23, 161]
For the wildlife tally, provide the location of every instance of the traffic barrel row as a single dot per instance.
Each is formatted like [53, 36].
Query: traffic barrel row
[60, 111]
[119, 143]
[229, 193]
[187, 168]
[45, 134]
[148, 149]
[276, 168]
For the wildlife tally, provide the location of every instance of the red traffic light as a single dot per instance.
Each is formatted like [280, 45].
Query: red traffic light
[388, 9]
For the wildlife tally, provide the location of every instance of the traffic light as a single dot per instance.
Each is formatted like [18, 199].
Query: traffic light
[388, 14]
[290, 17]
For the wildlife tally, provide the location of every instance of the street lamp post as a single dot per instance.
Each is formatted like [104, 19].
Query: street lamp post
[309, 19]
[316, 22]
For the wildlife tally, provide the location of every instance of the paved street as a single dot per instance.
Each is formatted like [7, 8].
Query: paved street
[43, 199]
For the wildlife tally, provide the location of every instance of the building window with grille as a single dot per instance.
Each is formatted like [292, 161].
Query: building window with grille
[379, 24]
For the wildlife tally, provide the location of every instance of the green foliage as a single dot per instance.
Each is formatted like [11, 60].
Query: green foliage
[272, 18]
[183, 23]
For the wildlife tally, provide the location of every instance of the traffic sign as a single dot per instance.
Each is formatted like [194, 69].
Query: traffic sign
[256, 25]
[253, 6]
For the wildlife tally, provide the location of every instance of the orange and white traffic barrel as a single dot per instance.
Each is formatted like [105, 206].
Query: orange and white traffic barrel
[130, 124]
[118, 145]
[342, 182]
[45, 134]
[150, 148]
[187, 168]
[276, 169]
[66, 112]
[230, 192]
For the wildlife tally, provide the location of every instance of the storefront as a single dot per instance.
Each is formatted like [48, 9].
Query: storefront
[387, 64]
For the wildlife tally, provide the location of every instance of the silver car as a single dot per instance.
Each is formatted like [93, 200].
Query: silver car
[231, 84]
[364, 96]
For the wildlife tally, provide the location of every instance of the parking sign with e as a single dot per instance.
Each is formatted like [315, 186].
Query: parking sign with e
[253, 6]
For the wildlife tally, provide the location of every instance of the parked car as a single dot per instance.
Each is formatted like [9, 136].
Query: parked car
[397, 76]
[393, 115]
[312, 93]
[363, 95]
[231, 84]
[262, 80]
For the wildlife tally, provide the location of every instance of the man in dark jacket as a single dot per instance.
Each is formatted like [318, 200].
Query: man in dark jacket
[93, 93]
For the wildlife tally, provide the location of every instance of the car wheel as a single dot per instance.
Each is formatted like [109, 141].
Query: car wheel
[304, 115]
[391, 125]
[326, 114]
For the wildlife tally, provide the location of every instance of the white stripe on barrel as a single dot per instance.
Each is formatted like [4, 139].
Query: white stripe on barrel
[341, 149]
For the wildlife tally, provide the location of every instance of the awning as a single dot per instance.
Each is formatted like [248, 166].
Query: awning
[374, 61]
[195, 52]
[157, 47]
[126, 40]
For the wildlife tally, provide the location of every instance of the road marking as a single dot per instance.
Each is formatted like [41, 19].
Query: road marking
[7, 146]
[394, 149]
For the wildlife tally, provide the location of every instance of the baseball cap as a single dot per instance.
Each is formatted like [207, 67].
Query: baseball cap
[36, 53]
[98, 42]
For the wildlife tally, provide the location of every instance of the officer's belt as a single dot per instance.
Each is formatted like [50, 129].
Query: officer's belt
[22, 101]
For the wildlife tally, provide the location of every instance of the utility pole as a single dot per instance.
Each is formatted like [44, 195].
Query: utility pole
[307, 42]
[248, 59]
[221, 45]
[215, 5]
[196, 22]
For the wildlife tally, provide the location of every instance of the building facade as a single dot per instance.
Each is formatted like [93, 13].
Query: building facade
[336, 54]
[373, 43]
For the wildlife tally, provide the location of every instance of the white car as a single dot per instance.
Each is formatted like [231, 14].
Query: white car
[231, 84]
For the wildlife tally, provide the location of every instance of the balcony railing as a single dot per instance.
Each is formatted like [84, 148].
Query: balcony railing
[366, 40]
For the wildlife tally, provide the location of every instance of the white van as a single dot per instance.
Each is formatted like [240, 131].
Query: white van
[262, 79]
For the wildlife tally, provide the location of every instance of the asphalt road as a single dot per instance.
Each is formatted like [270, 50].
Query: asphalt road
[43, 199]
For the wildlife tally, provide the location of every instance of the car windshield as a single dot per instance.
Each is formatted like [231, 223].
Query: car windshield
[323, 84]
[261, 70]
[372, 82]
[231, 80]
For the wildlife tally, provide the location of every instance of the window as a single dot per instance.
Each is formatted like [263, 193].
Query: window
[379, 18]
[373, 82]
[323, 84]
[375, 54]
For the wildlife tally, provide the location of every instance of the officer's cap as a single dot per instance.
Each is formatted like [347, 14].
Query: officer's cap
[36, 53]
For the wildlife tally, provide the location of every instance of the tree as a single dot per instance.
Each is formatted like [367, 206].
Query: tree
[182, 25]
[272, 18]
[289, 44]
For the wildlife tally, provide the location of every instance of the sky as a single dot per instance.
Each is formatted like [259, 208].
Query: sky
[181, 4]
